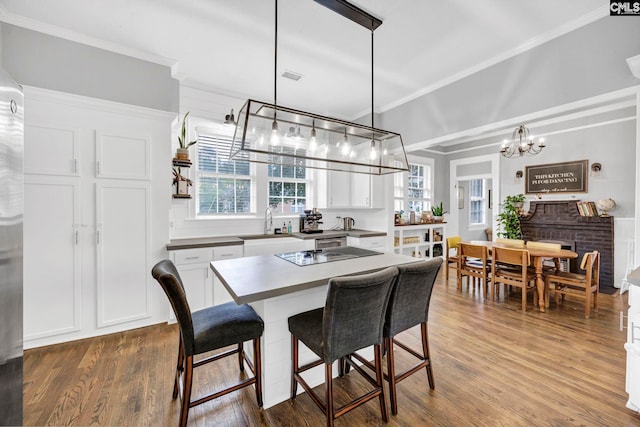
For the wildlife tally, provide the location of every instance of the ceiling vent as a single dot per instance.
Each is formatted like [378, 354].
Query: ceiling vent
[292, 75]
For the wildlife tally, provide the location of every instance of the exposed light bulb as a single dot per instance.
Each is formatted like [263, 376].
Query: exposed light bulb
[313, 143]
[275, 138]
[373, 154]
[344, 146]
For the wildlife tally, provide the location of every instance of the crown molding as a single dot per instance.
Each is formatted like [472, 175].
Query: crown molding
[34, 93]
[532, 43]
[63, 33]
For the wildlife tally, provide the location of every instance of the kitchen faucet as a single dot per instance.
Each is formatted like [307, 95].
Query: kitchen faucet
[268, 218]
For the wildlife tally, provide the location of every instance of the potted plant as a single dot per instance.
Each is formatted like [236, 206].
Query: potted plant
[183, 152]
[508, 219]
[438, 211]
[181, 182]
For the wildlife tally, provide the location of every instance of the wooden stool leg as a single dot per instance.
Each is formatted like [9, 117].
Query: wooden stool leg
[240, 356]
[257, 362]
[294, 366]
[425, 350]
[391, 373]
[329, 380]
[179, 369]
[380, 382]
[186, 397]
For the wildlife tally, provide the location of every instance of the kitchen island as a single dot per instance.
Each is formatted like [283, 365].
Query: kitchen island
[278, 289]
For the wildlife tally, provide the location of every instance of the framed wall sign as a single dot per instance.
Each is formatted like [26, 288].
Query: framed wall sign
[556, 178]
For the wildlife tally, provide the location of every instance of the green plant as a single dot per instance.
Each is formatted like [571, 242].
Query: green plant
[438, 210]
[508, 219]
[183, 134]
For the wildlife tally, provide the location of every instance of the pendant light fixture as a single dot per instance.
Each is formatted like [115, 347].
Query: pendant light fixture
[521, 143]
[333, 144]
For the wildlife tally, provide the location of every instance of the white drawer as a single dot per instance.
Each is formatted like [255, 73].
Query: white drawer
[192, 256]
[227, 252]
[368, 242]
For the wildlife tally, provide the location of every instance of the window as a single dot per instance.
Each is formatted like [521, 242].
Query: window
[477, 202]
[224, 186]
[288, 183]
[418, 182]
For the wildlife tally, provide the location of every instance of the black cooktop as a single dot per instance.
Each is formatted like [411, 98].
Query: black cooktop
[320, 256]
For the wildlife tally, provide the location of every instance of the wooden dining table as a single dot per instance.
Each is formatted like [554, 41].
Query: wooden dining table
[537, 257]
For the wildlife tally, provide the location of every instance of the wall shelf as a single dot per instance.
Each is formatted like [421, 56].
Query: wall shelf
[181, 191]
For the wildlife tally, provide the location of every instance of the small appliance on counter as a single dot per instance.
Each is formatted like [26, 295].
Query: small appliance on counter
[348, 223]
[309, 221]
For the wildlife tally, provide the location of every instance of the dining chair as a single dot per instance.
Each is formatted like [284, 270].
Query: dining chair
[473, 262]
[583, 285]
[352, 319]
[208, 329]
[451, 248]
[510, 266]
[548, 264]
[512, 243]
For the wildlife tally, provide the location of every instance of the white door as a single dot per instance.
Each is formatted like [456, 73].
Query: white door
[52, 264]
[122, 238]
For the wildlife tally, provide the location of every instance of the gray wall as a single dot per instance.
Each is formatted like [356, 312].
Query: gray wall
[583, 63]
[611, 145]
[37, 59]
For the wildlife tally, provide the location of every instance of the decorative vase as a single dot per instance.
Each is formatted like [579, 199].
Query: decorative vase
[182, 154]
[437, 218]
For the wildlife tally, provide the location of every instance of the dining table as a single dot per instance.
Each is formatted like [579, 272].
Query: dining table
[538, 255]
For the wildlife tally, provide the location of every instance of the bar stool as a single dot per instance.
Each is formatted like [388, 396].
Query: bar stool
[352, 319]
[205, 330]
[408, 307]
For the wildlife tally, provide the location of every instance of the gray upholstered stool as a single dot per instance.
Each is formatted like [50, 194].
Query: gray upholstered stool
[209, 329]
[408, 307]
[352, 319]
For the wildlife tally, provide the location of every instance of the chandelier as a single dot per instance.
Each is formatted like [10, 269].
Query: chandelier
[273, 134]
[521, 143]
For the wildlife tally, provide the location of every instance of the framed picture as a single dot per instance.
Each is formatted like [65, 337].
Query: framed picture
[460, 197]
[490, 199]
[557, 178]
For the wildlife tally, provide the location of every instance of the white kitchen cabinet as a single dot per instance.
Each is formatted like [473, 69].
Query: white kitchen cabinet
[122, 250]
[220, 293]
[420, 240]
[350, 190]
[52, 257]
[120, 155]
[193, 267]
[632, 346]
[92, 216]
[377, 243]
[52, 150]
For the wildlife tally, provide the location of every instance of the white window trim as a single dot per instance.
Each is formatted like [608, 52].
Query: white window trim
[417, 160]
[485, 198]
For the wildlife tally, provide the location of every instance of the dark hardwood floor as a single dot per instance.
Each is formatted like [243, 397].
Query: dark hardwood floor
[494, 365]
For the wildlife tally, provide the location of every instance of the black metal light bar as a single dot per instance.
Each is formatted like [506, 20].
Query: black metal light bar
[352, 12]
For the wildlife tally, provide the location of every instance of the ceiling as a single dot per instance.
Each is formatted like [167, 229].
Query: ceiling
[228, 46]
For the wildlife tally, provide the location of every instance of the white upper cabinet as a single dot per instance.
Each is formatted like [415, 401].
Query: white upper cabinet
[122, 156]
[51, 150]
[350, 190]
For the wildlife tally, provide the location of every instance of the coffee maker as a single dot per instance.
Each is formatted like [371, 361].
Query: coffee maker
[309, 221]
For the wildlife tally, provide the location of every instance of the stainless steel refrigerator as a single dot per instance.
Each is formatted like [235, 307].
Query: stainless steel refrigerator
[11, 218]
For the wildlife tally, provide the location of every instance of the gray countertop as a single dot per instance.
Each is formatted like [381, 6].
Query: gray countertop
[257, 278]
[205, 242]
